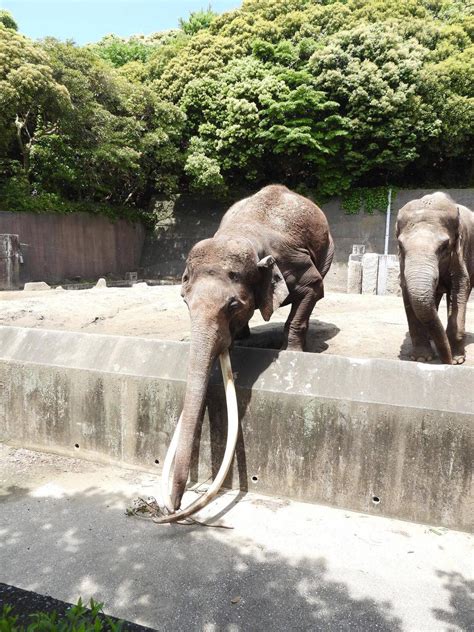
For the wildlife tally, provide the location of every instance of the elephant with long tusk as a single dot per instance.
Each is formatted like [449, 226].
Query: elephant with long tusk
[271, 249]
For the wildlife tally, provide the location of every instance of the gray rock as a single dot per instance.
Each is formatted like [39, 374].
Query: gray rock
[34, 286]
[101, 283]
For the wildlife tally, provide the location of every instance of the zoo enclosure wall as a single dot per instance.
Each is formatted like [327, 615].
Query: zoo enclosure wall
[58, 247]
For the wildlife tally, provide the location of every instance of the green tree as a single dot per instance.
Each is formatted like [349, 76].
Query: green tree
[7, 20]
[197, 21]
[325, 95]
[31, 100]
[375, 75]
[117, 138]
[120, 51]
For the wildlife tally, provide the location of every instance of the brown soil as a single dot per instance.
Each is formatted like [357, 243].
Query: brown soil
[342, 324]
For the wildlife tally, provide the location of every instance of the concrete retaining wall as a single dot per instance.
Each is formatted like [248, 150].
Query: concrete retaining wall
[379, 436]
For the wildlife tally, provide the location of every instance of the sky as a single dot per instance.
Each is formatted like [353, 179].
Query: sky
[88, 20]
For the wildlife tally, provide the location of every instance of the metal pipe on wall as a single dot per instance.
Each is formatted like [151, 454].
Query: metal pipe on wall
[387, 221]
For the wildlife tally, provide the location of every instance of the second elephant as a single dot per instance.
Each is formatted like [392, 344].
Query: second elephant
[436, 251]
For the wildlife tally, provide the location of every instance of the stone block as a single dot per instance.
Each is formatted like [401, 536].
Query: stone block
[370, 266]
[388, 275]
[131, 276]
[36, 286]
[358, 250]
[393, 276]
[354, 277]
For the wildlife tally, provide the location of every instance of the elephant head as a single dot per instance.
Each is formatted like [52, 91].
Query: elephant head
[428, 234]
[225, 280]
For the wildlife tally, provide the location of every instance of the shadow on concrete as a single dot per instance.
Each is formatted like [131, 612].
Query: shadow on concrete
[12, 492]
[270, 336]
[171, 577]
[461, 600]
[406, 348]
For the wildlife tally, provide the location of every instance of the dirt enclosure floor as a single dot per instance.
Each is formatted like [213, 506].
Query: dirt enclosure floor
[342, 324]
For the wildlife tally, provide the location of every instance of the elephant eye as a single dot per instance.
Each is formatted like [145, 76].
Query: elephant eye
[444, 245]
[233, 304]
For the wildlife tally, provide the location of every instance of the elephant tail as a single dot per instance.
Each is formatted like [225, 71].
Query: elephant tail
[327, 257]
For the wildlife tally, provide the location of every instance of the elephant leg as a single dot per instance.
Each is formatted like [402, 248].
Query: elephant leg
[309, 289]
[296, 326]
[457, 320]
[422, 351]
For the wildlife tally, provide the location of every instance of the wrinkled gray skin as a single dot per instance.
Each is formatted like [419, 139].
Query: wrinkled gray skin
[271, 249]
[436, 251]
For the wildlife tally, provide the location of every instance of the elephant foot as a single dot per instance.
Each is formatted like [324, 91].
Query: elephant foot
[292, 346]
[420, 354]
[458, 351]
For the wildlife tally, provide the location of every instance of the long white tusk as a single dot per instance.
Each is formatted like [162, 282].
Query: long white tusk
[232, 434]
[167, 465]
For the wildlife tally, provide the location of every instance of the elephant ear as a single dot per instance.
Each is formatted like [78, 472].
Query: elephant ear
[272, 290]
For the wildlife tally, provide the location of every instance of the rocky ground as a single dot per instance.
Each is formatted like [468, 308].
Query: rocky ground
[342, 324]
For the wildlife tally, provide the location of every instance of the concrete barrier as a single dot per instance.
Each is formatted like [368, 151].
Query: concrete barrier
[378, 436]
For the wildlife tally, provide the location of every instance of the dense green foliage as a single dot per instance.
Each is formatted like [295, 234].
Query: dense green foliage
[7, 20]
[77, 618]
[324, 95]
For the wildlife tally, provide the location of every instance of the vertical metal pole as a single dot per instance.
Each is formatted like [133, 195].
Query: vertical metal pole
[387, 222]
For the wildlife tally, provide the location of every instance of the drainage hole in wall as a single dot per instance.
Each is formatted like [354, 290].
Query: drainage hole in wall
[76, 445]
[157, 461]
[255, 479]
[375, 500]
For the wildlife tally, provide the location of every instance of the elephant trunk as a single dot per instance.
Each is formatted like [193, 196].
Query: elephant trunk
[202, 354]
[421, 278]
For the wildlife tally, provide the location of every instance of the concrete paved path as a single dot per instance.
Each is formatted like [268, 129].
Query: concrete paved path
[280, 566]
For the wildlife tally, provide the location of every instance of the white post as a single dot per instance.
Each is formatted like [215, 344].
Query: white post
[387, 222]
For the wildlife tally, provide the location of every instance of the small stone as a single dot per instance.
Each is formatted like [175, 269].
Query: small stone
[131, 276]
[101, 283]
[36, 286]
